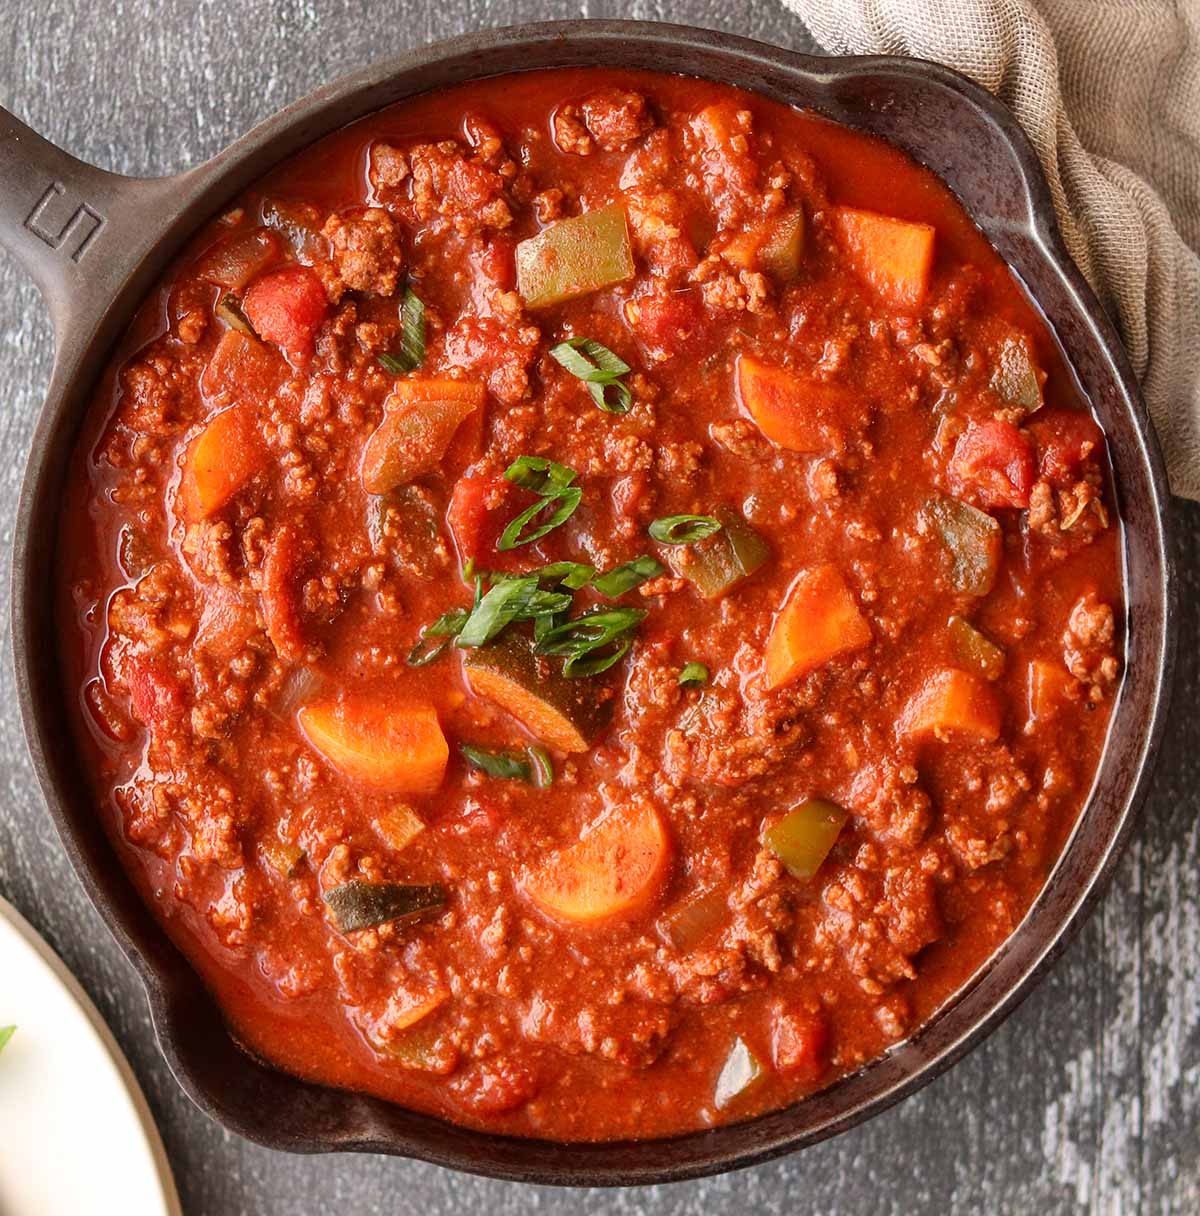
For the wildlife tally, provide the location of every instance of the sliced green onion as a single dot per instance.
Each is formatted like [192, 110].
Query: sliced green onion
[591, 663]
[542, 476]
[591, 628]
[436, 637]
[684, 529]
[597, 366]
[498, 608]
[543, 767]
[591, 643]
[561, 507]
[6, 1033]
[693, 673]
[496, 764]
[572, 575]
[632, 574]
[412, 337]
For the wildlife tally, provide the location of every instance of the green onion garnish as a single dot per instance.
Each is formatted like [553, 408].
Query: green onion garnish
[632, 574]
[552, 483]
[540, 475]
[572, 575]
[6, 1033]
[598, 368]
[412, 337]
[693, 673]
[592, 643]
[543, 768]
[499, 607]
[683, 529]
[436, 637]
[510, 598]
[561, 507]
[496, 764]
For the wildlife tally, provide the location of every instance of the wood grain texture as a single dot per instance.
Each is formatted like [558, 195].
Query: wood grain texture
[1087, 1100]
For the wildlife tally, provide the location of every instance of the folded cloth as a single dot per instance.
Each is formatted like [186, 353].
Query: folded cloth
[1108, 92]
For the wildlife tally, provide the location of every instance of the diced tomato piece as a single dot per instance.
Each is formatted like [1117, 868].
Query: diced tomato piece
[155, 698]
[480, 509]
[800, 1043]
[993, 462]
[497, 263]
[667, 323]
[287, 307]
[1064, 439]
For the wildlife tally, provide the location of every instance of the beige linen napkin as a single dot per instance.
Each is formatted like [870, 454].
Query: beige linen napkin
[1108, 92]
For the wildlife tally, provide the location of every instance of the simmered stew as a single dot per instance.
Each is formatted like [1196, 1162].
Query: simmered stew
[594, 604]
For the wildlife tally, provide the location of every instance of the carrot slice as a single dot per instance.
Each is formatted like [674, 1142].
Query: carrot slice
[894, 257]
[793, 412]
[613, 868]
[395, 747]
[219, 461]
[819, 620]
[952, 702]
[420, 420]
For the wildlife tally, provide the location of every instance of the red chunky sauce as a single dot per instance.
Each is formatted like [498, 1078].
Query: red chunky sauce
[821, 744]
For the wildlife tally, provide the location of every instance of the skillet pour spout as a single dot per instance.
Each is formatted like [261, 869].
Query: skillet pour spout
[95, 242]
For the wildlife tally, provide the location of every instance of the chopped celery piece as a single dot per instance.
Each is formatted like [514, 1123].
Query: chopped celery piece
[722, 560]
[573, 257]
[803, 837]
[688, 923]
[400, 825]
[421, 1049]
[1015, 379]
[974, 650]
[741, 1074]
[283, 856]
[973, 540]
[361, 905]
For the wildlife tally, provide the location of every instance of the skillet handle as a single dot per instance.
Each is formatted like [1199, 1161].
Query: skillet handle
[73, 227]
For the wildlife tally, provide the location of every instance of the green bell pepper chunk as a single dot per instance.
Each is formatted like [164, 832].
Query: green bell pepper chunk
[803, 837]
[974, 650]
[722, 560]
[972, 539]
[1015, 379]
[573, 257]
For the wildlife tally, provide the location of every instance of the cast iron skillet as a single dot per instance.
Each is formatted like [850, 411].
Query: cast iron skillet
[96, 242]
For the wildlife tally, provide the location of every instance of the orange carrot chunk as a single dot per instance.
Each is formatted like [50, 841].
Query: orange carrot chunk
[398, 748]
[819, 620]
[894, 257]
[420, 420]
[793, 412]
[613, 868]
[219, 461]
[952, 702]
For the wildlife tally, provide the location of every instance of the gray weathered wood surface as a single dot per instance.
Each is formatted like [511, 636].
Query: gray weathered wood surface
[1087, 1100]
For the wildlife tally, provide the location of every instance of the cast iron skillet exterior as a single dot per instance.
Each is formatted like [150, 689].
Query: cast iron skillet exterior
[96, 242]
